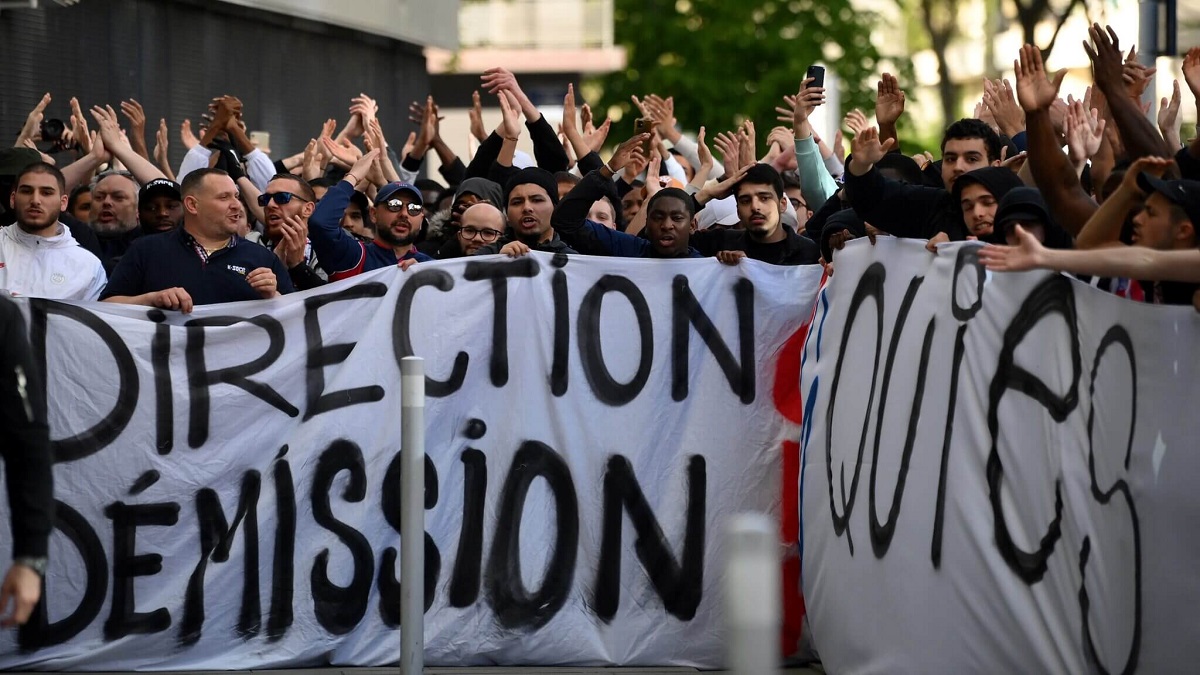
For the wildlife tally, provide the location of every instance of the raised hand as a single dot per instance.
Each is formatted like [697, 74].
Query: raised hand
[730, 148]
[748, 144]
[1108, 67]
[628, 153]
[856, 121]
[510, 115]
[476, 116]
[500, 79]
[1154, 166]
[866, 150]
[1085, 132]
[133, 111]
[33, 122]
[108, 127]
[186, 136]
[663, 111]
[999, 97]
[805, 101]
[161, 145]
[343, 155]
[1034, 91]
[706, 161]
[1191, 72]
[889, 100]
[1168, 117]
[79, 127]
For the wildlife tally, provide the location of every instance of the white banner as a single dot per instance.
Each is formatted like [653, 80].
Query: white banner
[998, 472]
[227, 481]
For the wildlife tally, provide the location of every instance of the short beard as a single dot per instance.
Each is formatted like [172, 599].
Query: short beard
[112, 228]
[35, 228]
[385, 235]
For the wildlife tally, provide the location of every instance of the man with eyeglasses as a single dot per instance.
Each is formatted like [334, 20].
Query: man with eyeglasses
[202, 262]
[399, 217]
[481, 224]
[288, 203]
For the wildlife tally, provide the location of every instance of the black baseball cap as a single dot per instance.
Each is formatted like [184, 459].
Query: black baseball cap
[1021, 205]
[1183, 193]
[159, 186]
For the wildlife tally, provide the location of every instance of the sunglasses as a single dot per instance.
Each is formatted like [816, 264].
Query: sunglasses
[488, 236]
[395, 205]
[280, 198]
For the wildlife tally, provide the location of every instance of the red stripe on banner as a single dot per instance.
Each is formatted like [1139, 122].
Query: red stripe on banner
[787, 376]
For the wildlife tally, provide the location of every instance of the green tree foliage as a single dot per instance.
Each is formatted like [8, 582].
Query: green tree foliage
[728, 60]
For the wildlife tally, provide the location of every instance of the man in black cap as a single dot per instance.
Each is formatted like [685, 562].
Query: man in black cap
[160, 206]
[399, 217]
[1167, 221]
[529, 199]
[1024, 206]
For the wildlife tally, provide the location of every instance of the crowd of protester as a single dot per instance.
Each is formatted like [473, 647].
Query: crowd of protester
[1031, 173]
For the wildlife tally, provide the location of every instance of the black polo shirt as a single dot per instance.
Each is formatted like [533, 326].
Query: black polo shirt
[157, 262]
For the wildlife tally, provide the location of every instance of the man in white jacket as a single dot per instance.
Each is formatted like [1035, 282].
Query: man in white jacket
[38, 255]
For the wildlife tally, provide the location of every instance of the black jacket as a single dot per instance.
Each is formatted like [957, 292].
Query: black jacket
[24, 438]
[795, 249]
[902, 210]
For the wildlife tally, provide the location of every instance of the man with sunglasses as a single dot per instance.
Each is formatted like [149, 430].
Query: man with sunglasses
[288, 203]
[399, 217]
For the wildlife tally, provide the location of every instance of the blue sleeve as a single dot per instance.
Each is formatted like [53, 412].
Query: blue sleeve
[1021, 141]
[571, 223]
[337, 250]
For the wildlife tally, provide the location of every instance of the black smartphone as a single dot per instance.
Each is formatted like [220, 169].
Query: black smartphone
[817, 73]
[644, 125]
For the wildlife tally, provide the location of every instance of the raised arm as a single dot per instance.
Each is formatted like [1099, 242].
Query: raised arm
[1138, 134]
[1068, 202]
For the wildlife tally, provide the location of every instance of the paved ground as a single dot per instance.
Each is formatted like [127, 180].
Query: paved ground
[816, 670]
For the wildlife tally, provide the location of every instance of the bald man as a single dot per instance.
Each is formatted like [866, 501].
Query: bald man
[482, 224]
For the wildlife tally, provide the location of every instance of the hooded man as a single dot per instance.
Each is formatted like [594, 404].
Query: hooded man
[530, 197]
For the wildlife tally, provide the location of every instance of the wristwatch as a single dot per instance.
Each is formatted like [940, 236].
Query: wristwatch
[37, 564]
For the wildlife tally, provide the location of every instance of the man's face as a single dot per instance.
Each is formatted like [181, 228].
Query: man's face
[670, 226]
[794, 196]
[37, 201]
[160, 213]
[759, 209]
[631, 203]
[114, 204]
[215, 206]
[275, 213]
[960, 156]
[688, 169]
[401, 226]
[1153, 227]
[352, 220]
[482, 224]
[465, 201]
[979, 209]
[83, 206]
[529, 211]
[602, 212]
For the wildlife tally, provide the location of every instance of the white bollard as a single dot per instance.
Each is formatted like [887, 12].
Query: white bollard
[412, 515]
[752, 595]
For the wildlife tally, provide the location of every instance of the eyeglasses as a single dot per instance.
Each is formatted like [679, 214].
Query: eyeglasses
[488, 236]
[394, 205]
[280, 198]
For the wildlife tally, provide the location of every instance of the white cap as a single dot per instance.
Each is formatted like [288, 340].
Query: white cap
[718, 212]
